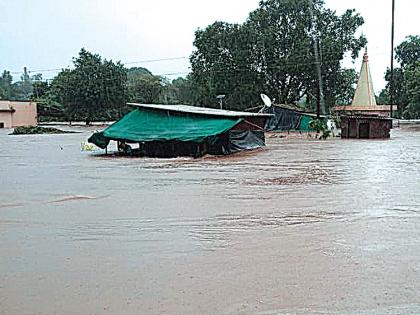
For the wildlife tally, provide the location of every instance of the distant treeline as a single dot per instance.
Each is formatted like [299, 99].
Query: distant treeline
[95, 89]
[272, 53]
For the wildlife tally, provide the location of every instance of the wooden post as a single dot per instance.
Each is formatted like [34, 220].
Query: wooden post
[391, 83]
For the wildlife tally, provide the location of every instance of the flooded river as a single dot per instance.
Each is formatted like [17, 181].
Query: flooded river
[301, 227]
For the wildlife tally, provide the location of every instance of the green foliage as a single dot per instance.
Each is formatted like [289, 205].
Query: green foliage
[94, 90]
[143, 86]
[6, 80]
[405, 84]
[22, 90]
[135, 72]
[408, 52]
[184, 91]
[412, 78]
[383, 97]
[321, 128]
[32, 130]
[272, 52]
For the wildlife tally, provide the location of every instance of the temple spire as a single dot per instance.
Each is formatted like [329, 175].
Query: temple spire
[364, 95]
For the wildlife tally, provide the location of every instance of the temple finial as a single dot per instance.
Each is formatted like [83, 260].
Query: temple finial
[365, 55]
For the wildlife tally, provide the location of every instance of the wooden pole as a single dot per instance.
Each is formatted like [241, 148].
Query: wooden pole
[320, 104]
[392, 83]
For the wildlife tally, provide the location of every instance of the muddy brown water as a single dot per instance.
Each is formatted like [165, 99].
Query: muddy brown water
[301, 227]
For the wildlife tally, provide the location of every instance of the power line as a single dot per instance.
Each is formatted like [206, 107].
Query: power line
[125, 63]
[155, 60]
[295, 57]
[293, 61]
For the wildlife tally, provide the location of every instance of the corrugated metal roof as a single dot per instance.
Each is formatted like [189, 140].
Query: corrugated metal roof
[200, 110]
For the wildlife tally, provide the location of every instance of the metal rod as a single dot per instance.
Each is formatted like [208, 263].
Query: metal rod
[392, 83]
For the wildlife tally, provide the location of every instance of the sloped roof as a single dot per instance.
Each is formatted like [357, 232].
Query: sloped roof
[142, 125]
[199, 110]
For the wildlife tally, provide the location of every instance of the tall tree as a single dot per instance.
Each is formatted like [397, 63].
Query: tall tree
[143, 86]
[94, 90]
[184, 91]
[407, 54]
[412, 85]
[22, 90]
[6, 80]
[272, 52]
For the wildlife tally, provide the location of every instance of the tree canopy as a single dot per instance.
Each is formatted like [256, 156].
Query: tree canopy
[94, 89]
[272, 53]
[19, 90]
[406, 79]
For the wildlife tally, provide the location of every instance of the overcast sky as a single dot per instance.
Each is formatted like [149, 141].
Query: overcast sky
[46, 34]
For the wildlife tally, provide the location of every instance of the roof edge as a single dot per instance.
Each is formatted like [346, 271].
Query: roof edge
[205, 111]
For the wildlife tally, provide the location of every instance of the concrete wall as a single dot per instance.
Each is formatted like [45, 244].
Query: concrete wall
[6, 119]
[25, 113]
[378, 128]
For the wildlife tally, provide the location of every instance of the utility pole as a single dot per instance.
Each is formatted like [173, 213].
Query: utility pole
[392, 83]
[320, 104]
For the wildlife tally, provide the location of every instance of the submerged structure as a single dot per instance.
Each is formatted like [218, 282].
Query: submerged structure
[365, 127]
[364, 101]
[17, 114]
[364, 119]
[180, 130]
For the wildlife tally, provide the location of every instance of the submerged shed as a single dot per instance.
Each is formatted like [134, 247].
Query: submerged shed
[181, 130]
[365, 127]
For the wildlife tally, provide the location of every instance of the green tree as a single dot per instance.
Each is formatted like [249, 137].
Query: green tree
[143, 86]
[6, 80]
[223, 64]
[342, 88]
[94, 90]
[383, 97]
[22, 90]
[412, 84]
[146, 89]
[185, 91]
[272, 52]
[407, 54]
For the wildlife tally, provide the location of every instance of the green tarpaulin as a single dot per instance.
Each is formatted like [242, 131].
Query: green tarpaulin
[304, 123]
[149, 125]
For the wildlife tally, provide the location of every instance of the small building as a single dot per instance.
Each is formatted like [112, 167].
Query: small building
[364, 127]
[17, 114]
[364, 119]
[181, 130]
[364, 101]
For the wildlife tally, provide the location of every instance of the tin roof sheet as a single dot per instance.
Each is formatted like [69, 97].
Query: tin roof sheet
[200, 110]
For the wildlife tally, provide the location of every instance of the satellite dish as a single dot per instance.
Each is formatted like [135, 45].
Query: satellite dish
[266, 100]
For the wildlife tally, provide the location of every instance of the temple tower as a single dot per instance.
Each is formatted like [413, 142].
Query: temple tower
[365, 94]
[364, 101]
